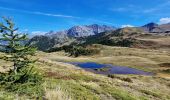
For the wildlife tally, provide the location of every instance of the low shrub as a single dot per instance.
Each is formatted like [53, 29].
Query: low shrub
[127, 80]
[81, 51]
[121, 78]
[111, 76]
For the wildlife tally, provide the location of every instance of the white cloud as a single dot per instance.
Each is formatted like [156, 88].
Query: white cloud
[38, 13]
[34, 33]
[127, 25]
[164, 20]
[53, 15]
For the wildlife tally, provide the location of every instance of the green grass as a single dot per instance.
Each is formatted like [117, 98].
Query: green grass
[118, 94]
[152, 93]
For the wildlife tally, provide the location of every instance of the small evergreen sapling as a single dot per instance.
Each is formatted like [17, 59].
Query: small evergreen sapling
[22, 77]
[16, 51]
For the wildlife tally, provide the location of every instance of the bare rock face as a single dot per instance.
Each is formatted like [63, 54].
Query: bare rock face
[81, 31]
[99, 29]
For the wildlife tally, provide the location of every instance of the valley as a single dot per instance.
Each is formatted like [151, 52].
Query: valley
[143, 59]
[135, 66]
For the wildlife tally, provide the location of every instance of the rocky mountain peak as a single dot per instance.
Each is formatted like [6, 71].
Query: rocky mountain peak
[150, 25]
[82, 30]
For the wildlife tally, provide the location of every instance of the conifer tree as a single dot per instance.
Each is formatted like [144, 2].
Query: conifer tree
[16, 51]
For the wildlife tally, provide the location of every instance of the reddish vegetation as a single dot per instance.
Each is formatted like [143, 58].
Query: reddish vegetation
[57, 76]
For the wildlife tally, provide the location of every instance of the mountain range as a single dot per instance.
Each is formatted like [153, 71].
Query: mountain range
[155, 28]
[82, 31]
[57, 39]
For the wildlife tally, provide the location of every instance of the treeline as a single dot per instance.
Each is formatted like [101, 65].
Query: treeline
[77, 50]
[89, 49]
[127, 42]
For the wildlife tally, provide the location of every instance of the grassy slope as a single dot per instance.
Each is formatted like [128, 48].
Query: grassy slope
[67, 82]
[130, 37]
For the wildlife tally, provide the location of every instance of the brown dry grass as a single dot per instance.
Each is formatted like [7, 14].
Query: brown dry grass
[144, 59]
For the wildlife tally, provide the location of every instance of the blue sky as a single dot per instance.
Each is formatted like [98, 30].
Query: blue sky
[46, 15]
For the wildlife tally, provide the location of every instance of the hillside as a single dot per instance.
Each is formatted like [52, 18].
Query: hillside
[128, 37]
[45, 43]
[64, 81]
[115, 38]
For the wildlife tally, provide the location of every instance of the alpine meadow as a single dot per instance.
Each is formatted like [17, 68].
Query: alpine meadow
[84, 50]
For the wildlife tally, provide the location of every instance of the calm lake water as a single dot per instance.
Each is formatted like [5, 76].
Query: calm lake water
[111, 69]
